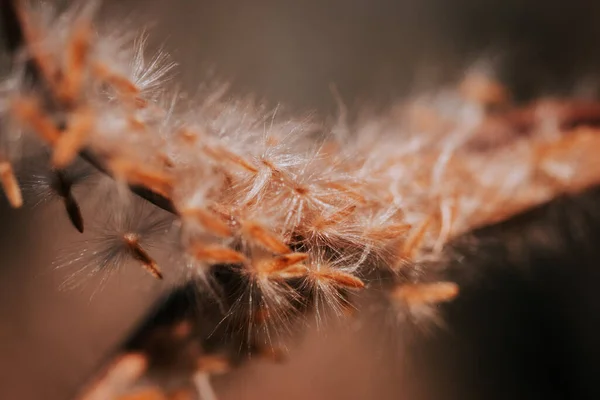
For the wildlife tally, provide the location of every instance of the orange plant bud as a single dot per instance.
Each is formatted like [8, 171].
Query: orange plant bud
[282, 262]
[483, 90]
[211, 222]
[135, 173]
[426, 293]
[73, 139]
[217, 254]
[10, 185]
[579, 146]
[287, 266]
[213, 364]
[388, 232]
[28, 111]
[74, 70]
[121, 84]
[293, 272]
[261, 236]
[33, 38]
[340, 278]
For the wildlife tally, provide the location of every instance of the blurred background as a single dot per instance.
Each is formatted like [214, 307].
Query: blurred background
[526, 323]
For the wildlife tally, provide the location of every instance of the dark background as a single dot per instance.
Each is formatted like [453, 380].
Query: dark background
[526, 323]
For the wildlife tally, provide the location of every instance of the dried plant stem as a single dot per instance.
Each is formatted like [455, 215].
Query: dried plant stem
[283, 226]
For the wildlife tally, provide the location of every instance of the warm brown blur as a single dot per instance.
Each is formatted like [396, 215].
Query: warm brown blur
[373, 51]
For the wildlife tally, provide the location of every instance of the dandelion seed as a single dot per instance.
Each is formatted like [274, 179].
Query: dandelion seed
[127, 234]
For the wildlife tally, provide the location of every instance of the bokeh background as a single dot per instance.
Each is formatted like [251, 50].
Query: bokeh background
[526, 324]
